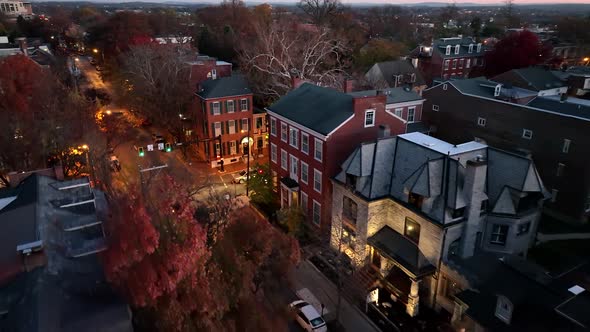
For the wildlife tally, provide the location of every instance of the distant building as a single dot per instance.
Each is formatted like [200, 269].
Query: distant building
[551, 129]
[33, 48]
[405, 206]
[205, 67]
[223, 115]
[51, 278]
[448, 58]
[16, 8]
[541, 80]
[313, 129]
[394, 74]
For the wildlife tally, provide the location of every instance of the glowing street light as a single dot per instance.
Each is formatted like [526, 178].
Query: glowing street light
[85, 147]
[109, 112]
[95, 50]
[77, 59]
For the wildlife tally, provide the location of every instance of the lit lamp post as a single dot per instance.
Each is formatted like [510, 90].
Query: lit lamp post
[86, 148]
[248, 161]
[95, 51]
[586, 59]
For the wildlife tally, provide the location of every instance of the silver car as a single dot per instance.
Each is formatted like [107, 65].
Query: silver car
[308, 317]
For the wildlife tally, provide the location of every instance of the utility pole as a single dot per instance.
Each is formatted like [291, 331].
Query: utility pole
[248, 162]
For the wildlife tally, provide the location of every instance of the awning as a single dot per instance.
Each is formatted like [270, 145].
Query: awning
[401, 250]
[289, 183]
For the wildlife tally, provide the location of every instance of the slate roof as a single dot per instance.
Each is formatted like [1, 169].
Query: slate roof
[402, 250]
[385, 169]
[566, 108]
[224, 87]
[440, 45]
[527, 286]
[394, 95]
[399, 67]
[483, 87]
[317, 108]
[539, 78]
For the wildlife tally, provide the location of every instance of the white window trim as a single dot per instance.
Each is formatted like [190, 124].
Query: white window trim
[457, 49]
[296, 145]
[284, 165]
[435, 108]
[304, 208]
[470, 48]
[525, 131]
[273, 125]
[401, 112]
[500, 313]
[467, 63]
[247, 124]
[446, 64]
[244, 109]
[314, 204]
[367, 112]
[481, 122]
[218, 105]
[448, 50]
[316, 172]
[565, 148]
[306, 180]
[273, 147]
[413, 108]
[215, 131]
[294, 160]
[315, 145]
[285, 136]
[478, 47]
[304, 134]
[454, 65]
[445, 86]
[492, 241]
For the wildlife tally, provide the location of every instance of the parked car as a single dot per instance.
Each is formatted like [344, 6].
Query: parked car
[240, 177]
[308, 317]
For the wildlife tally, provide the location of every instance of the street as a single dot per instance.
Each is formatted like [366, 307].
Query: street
[196, 175]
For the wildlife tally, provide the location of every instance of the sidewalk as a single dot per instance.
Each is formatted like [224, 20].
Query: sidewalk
[306, 276]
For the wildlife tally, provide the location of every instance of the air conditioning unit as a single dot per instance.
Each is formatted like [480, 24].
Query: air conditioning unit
[28, 248]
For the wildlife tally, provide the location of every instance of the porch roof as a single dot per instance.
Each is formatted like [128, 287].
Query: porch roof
[401, 250]
[290, 183]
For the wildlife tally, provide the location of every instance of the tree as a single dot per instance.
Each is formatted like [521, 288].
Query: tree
[378, 50]
[517, 50]
[511, 18]
[475, 26]
[292, 220]
[320, 12]
[280, 54]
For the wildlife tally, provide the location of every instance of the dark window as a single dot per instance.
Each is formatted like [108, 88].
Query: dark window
[523, 228]
[416, 200]
[412, 230]
[349, 209]
[454, 248]
[484, 207]
[351, 180]
[458, 213]
[258, 123]
[499, 234]
[450, 288]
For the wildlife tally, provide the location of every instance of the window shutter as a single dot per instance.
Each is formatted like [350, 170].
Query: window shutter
[213, 129]
[240, 124]
[211, 108]
[248, 103]
[222, 128]
[226, 108]
[237, 147]
[227, 127]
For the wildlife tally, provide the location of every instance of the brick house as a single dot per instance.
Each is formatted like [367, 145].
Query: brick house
[312, 130]
[407, 207]
[205, 67]
[223, 118]
[553, 130]
[448, 57]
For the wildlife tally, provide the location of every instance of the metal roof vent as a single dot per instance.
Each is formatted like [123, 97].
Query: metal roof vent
[576, 290]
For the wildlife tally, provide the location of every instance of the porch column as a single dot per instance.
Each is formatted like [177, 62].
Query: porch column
[413, 299]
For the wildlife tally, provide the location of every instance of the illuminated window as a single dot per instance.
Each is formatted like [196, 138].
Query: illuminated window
[412, 230]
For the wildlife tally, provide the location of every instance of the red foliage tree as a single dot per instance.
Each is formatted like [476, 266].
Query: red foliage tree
[517, 50]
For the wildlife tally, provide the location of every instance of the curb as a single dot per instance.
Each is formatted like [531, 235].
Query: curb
[362, 314]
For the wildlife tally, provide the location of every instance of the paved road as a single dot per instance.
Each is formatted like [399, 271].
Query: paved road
[191, 173]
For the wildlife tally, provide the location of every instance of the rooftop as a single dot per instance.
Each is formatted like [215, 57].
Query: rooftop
[440, 146]
[224, 87]
[539, 78]
[394, 95]
[399, 67]
[317, 108]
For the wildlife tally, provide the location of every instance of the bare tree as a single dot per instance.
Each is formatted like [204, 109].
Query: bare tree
[280, 54]
[321, 11]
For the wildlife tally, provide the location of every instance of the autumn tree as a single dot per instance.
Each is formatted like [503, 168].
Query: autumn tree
[378, 50]
[320, 12]
[517, 50]
[279, 54]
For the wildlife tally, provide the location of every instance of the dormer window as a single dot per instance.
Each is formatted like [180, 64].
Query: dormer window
[504, 309]
[457, 49]
[448, 52]
[478, 47]
[497, 90]
[470, 48]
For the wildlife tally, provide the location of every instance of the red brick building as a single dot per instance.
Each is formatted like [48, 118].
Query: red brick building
[206, 67]
[223, 119]
[313, 129]
[448, 57]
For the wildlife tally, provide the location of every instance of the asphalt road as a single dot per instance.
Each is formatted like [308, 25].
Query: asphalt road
[197, 176]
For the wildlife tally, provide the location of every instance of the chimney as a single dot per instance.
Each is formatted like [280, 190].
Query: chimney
[415, 62]
[348, 86]
[380, 92]
[22, 44]
[562, 97]
[384, 131]
[296, 82]
[474, 190]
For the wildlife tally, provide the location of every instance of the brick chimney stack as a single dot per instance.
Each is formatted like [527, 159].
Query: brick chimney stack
[22, 43]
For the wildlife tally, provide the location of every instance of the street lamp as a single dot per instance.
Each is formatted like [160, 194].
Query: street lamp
[95, 51]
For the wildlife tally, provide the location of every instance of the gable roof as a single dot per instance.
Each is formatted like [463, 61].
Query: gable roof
[398, 67]
[538, 78]
[224, 87]
[317, 108]
[394, 95]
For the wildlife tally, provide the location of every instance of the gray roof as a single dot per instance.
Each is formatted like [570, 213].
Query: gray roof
[568, 107]
[539, 78]
[317, 108]
[579, 70]
[483, 87]
[394, 95]
[224, 87]
[385, 169]
[399, 67]
[441, 44]
[402, 250]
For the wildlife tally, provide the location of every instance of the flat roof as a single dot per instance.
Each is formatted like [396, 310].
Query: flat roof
[441, 146]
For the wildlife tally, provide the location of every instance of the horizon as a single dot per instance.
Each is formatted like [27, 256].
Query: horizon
[349, 2]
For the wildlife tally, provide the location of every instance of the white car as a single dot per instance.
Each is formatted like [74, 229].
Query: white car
[308, 317]
[240, 177]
